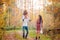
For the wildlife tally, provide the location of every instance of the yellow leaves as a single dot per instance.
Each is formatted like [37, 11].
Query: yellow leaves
[49, 0]
[1, 10]
[2, 22]
[48, 9]
[55, 10]
[53, 0]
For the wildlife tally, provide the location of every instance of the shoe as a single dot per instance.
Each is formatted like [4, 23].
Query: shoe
[39, 37]
[36, 38]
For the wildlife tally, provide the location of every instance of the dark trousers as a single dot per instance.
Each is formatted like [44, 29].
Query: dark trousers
[25, 34]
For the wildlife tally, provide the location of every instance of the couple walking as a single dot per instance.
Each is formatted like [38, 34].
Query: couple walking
[26, 19]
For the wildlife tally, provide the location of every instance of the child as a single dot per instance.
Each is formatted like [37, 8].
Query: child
[38, 26]
[25, 24]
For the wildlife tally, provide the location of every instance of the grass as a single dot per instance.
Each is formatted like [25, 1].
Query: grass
[42, 36]
[32, 33]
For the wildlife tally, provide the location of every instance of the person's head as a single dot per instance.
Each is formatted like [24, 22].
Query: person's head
[25, 12]
[40, 17]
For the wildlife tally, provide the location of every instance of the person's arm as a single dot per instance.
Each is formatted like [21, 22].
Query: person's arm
[42, 23]
[29, 19]
[22, 18]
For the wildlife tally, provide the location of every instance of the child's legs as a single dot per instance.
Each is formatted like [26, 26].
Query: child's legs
[26, 31]
[23, 31]
[38, 33]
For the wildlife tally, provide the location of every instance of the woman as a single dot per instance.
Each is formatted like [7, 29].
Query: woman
[38, 26]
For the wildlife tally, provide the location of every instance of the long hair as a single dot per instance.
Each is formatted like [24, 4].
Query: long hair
[40, 18]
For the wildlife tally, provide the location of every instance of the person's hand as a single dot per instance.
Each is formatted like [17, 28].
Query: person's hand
[29, 20]
[23, 19]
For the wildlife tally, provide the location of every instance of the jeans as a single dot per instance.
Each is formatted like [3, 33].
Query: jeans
[25, 34]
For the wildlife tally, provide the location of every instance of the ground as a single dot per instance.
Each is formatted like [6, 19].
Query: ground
[17, 35]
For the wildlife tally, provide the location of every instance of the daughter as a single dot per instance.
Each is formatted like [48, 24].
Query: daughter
[38, 26]
[25, 19]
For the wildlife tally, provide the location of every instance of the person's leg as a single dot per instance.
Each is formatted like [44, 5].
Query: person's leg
[23, 32]
[26, 32]
[37, 35]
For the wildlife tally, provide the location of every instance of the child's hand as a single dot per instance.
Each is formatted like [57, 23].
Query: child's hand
[23, 19]
[29, 20]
